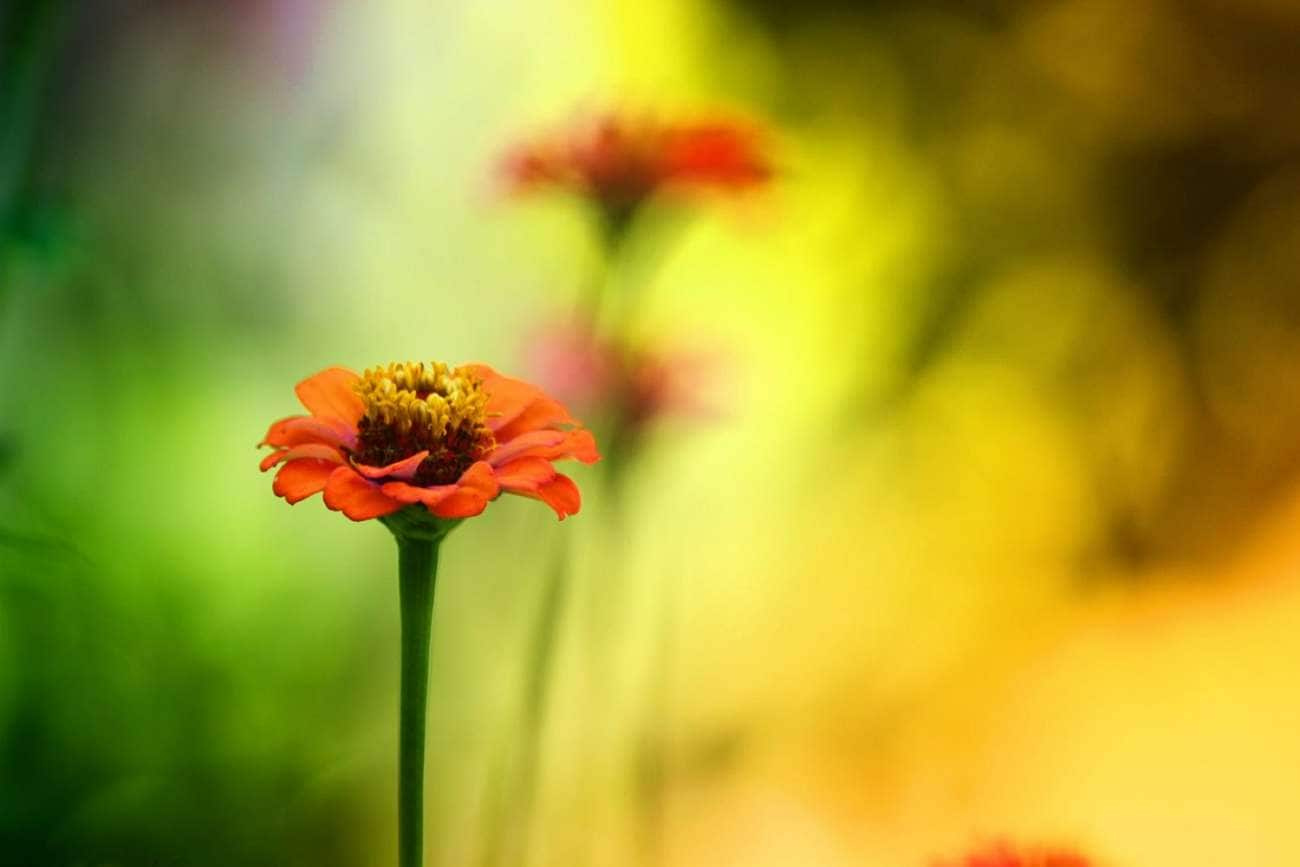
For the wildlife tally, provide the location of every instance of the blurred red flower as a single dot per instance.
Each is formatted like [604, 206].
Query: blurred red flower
[450, 439]
[620, 161]
[1004, 855]
[641, 385]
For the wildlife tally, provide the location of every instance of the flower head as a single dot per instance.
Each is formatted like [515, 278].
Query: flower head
[413, 434]
[620, 161]
[642, 384]
[1004, 855]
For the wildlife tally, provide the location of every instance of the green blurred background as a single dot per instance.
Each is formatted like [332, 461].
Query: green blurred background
[994, 534]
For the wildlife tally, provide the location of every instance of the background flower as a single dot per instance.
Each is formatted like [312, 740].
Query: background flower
[642, 384]
[1007, 855]
[620, 160]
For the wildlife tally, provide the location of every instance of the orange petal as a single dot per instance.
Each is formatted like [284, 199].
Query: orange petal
[462, 503]
[549, 444]
[317, 451]
[525, 474]
[416, 494]
[403, 469]
[507, 397]
[358, 498]
[480, 477]
[298, 429]
[329, 396]
[581, 446]
[478, 484]
[560, 493]
[543, 412]
[299, 479]
[523, 444]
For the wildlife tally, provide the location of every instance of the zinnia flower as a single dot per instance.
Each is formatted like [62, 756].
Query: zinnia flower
[413, 434]
[1004, 855]
[620, 161]
[421, 447]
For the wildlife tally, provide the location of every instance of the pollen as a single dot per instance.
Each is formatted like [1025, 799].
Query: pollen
[412, 406]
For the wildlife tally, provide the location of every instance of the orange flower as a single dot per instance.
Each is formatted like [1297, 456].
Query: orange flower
[448, 439]
[620, 161]
[1004, 855]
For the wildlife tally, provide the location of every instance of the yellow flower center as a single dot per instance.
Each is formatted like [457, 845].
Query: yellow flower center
[411, 407]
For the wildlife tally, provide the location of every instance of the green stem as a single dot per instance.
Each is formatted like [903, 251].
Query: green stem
[418, 569]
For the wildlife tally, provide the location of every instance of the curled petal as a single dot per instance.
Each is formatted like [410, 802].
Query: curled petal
[316, 451]
[330, 397]
[522, 444]
[560, 493]
[480, 477]
[580, 445]
[358, 498]
[298, 429]
[474, 488]
[552, 445]
[507, 397]
[462, 503]
[525, 474]
[479, 480]
[298, 480]
[411, 494]
[543, 412]
[403, 469]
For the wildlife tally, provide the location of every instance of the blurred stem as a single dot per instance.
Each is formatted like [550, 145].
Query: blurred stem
[417, 571]
[615, 227]
[539, 679]
[616, 219]
[620, 446]
[29, 37]
[650, 749]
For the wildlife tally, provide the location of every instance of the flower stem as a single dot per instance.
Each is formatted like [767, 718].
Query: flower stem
[417, 560]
